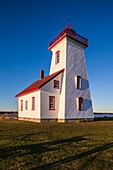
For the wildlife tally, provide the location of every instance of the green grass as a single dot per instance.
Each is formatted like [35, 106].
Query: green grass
[81, 146]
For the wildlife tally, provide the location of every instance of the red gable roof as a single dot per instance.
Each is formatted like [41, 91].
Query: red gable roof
[38, 84]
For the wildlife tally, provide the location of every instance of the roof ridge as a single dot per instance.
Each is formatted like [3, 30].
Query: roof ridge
[38, 84]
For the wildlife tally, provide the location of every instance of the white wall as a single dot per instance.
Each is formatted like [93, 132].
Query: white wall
[61, 112]
[49, 90]
[29, 113]
[45, 112]
[49, 87]
[76, 65]
[62, 47]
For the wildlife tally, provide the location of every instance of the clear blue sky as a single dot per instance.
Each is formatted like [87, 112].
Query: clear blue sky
[27, 27]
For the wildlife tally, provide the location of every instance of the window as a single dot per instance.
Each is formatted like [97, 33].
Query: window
[56, 84]
[21, 105]
[26, 105]
[51, 102]
[57, 57]
[33, 103]
[78, 82]
[80, 103]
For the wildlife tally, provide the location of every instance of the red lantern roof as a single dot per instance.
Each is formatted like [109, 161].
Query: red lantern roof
[69, 33]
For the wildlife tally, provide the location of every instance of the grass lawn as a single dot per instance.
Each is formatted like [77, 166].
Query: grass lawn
[81, 146]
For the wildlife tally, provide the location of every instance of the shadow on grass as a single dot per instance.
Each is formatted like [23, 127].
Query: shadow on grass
[10, 152]
[5, 130]
[75, 157]
[25, 137]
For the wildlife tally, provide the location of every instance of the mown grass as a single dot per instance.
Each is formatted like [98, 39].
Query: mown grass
[81, 146]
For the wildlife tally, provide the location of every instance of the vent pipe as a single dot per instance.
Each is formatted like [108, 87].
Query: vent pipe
[41, 74]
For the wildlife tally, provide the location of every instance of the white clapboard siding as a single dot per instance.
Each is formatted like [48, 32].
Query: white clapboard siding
[76, 65]
[29, 113]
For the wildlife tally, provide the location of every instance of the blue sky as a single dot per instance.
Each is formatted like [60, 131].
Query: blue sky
[27, 27]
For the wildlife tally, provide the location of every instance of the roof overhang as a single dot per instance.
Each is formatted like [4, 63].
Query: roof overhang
[38, 84]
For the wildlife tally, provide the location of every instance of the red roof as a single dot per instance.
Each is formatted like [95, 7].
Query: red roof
[38, 84]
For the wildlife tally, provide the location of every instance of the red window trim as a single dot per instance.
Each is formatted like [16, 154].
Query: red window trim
[58, 84]
[26, 105]
[21, 105]
[56, 62]
[33, 104]
[53, 103]
[80, 101]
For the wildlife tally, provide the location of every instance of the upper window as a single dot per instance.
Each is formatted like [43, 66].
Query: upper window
[79, 82]
[21, 105]
[57, 57]
[80, 104]
[33, 103]
[56, 84]
[51, 102]
[26, 105]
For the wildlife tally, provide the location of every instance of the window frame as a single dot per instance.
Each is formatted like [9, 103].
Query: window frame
[79, 82]
[26, 105]
[21, 105]
[53, 97]
[80, 104]
[57, 57]
[56, 81]
[33, 103]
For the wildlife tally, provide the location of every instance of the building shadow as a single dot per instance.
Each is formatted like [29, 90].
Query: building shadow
[17, 151]
[85, 84]
[87, 104]
[75, 157]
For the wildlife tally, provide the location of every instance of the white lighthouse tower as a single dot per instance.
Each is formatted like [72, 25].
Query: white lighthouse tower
[68, 54]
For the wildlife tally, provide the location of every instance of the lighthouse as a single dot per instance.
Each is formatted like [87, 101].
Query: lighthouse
[63, 95]
[68, 53]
